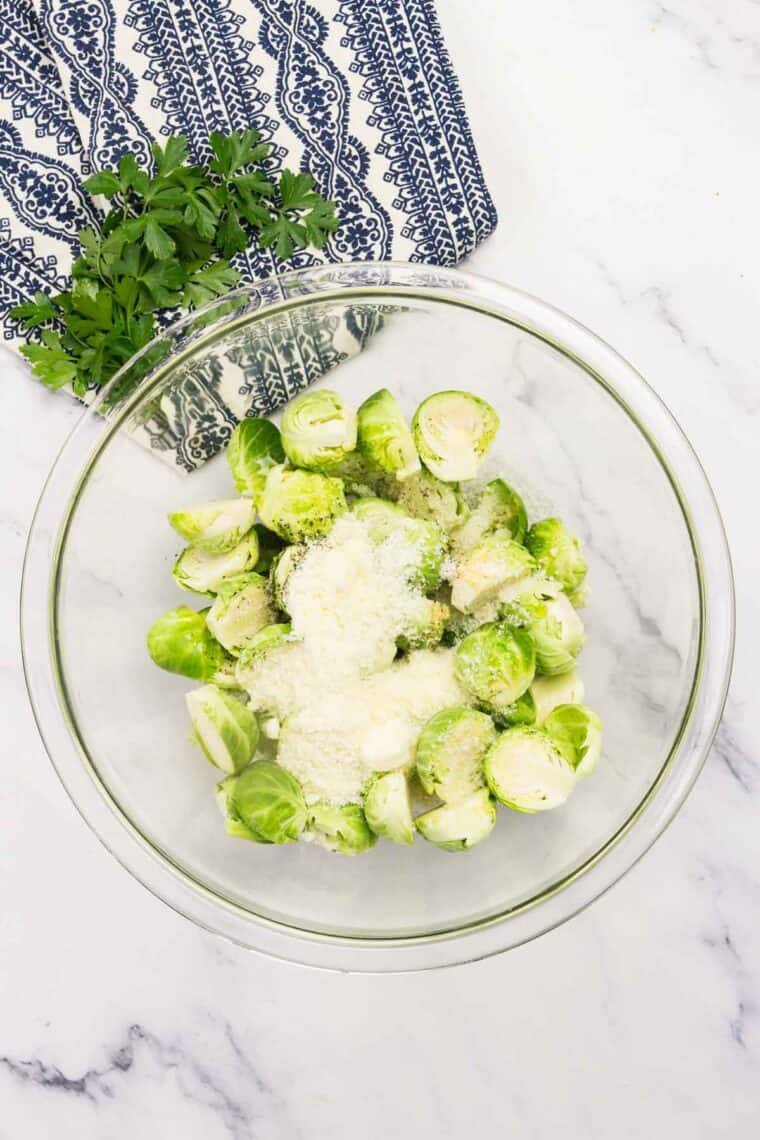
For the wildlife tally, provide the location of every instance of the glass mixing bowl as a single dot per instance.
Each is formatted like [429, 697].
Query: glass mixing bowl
[582, 435]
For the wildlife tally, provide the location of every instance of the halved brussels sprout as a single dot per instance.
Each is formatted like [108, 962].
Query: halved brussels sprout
[359, 479]
[459, 826]
[427, 628]
[239, 611]
[255, 447]
[578, 731]
[498, 507]
[554, 626]
[482, 571]
[180, 642]
[428, 543]
[233, 826]
[342, 829]
[270, 545]
[269, 801]
[282, 567]
[527, 771]
[226, 677]
[270, 637]
[425, 497]
[558, 553]
[300, 504]
[203, 573]
[385, 441]
[226, 730]
[387, 807]
[452, 432]
[380, 517]
[450, 752]
[496, 664]
[549, 692]
[318, 430]
[217, 526]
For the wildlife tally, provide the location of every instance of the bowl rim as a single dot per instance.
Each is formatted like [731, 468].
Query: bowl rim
[561, 899]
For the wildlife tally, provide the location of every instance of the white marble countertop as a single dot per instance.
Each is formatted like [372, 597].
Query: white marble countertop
[620, 142]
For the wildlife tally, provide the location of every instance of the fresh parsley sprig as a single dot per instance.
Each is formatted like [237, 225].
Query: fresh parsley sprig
[165, 244]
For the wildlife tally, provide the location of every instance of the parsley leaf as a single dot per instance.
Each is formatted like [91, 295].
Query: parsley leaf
[164, 244]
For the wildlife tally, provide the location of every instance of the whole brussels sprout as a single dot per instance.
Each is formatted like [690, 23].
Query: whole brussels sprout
[498, 507]
[425, 497]
[450, 752]
[217, 526]
[459, 826]
[387, 807]
[255, 447]
[549, 692]
[180, 642]
[482, 571]
[578, 732]
[452, 432]
[554, 626]
[226, 730]
[203, 573]
[385, 441]
[527, 771]
[342, 829]
[268, 800]
[557, 553]
[318, 430]
[496, 663]
[239, 611]
[300, 504]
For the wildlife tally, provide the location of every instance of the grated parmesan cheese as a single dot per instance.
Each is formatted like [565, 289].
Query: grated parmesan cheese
[347, 707]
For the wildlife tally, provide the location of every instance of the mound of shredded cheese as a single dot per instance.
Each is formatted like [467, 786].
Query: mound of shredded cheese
[347, 707]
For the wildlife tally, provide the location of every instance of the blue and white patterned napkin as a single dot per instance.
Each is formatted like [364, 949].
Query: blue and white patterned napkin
[360, 93]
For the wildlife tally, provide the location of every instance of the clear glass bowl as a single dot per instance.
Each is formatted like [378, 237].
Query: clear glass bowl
[581, 435]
